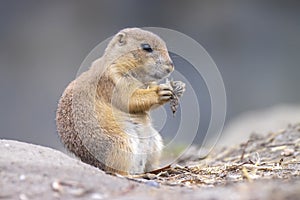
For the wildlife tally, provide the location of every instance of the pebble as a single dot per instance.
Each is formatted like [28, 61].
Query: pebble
[22, 177]
[288, 152]
[23, 197]
[153, 184]
[97, 196]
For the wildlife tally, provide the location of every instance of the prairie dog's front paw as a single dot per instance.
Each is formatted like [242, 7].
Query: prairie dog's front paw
[165, 92]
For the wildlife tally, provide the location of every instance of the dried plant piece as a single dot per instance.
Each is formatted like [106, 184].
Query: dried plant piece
[178, 89]
[174, 103]
[70, 187]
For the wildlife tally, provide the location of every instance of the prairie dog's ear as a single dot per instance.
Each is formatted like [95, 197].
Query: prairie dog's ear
[121, 38]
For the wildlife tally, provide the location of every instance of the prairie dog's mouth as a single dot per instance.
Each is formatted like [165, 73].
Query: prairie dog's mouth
[161, 75]
[152, 73]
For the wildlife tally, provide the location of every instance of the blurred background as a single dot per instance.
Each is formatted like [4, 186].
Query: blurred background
[255, 45]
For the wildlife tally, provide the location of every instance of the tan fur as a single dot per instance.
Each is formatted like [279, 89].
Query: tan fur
[103, 117]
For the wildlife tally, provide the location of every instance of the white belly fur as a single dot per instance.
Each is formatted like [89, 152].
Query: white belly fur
[145, 142]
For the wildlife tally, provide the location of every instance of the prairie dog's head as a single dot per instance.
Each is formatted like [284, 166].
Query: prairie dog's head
[143, 54]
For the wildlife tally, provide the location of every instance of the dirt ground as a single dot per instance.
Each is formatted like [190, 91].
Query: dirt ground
[264, 167]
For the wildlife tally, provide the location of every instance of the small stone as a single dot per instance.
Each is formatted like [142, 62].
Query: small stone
[97, 196]
[288, 152]
[56, 186]
[23, 197]
[152, 184]
[22, 177]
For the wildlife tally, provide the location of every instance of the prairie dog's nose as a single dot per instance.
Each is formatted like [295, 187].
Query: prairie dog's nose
[171, 64]
[169, 67]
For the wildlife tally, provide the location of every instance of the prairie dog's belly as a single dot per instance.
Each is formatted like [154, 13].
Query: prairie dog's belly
[145, 142]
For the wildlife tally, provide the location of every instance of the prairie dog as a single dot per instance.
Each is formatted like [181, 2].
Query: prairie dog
[103, 115]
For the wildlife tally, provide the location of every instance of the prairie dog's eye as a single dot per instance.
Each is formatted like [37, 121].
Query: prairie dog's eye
[146, 47]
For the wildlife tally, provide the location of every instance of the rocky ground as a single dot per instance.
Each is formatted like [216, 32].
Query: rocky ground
[264, 167]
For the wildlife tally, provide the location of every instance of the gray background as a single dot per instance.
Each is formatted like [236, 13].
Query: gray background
[255, 45]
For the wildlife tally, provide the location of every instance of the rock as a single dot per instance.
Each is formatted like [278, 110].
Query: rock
[29, 171]
[260, 121]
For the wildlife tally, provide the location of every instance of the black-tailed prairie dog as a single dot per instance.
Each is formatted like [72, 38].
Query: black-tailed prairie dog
[103, 115]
